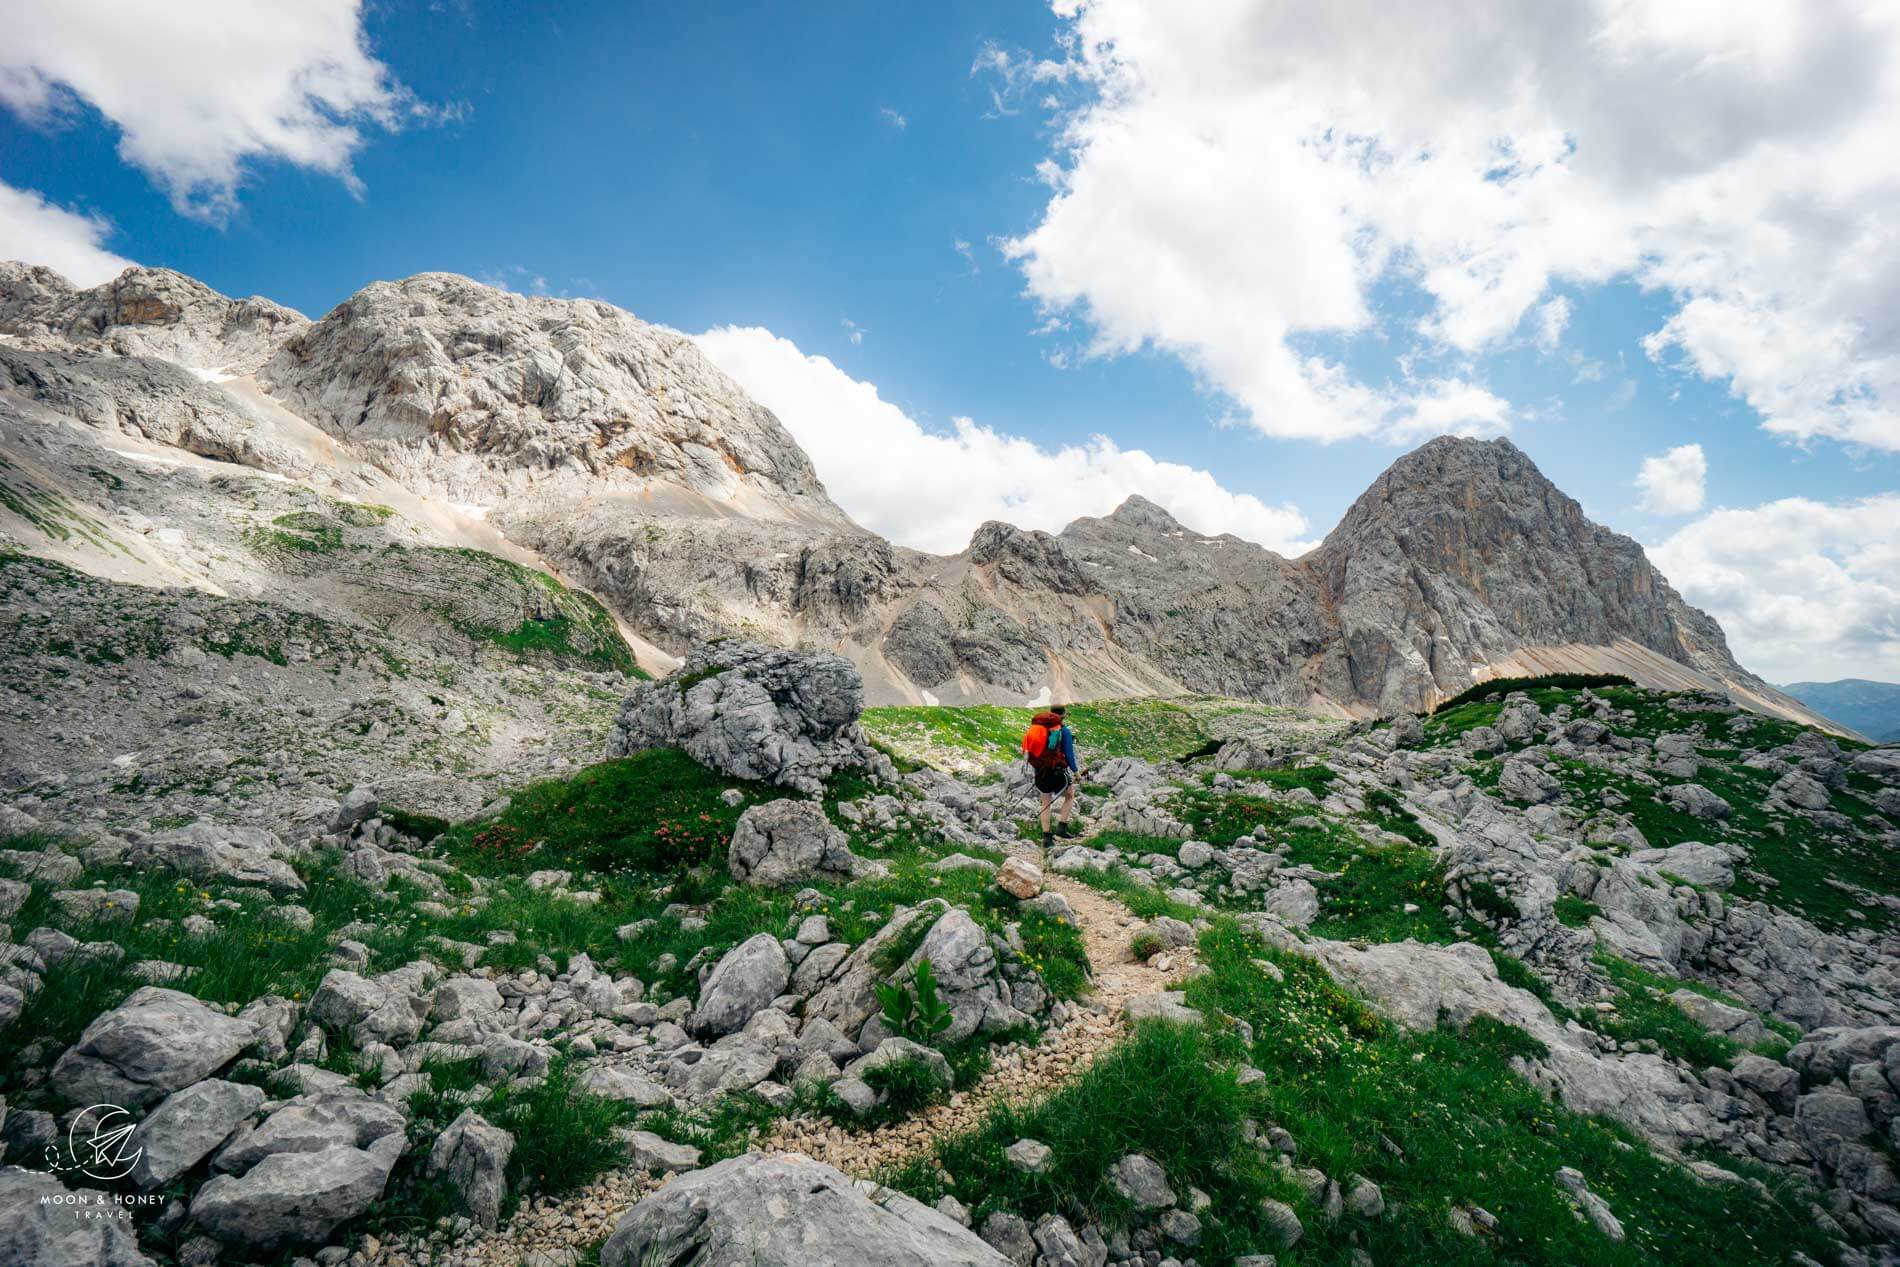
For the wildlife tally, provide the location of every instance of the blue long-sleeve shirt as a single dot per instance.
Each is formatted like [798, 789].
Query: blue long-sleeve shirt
[1068, 746]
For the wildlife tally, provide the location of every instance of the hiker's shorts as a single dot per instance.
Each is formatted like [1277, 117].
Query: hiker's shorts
[1052, 781]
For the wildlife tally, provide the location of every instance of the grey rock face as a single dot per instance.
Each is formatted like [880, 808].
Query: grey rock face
[621, 1084]
[744, 981]
[336, 1119]
[185, 1129]
[143, 312]
[1717, 1017]
[1524, 782]
[206, 851]
[388, 1008]
[292, 1199]
[785, 1211]
[477, 393]
[39, 1230]
[473, 1155]
[922, 643]
[752, 711]
[787, 843]
[156, 1042]
[1692, 861]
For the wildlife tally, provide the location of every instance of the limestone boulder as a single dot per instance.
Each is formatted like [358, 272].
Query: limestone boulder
[784, 1210]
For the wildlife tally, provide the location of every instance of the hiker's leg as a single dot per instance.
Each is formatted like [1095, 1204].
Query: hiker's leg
[1046, 798]
[1068, 800]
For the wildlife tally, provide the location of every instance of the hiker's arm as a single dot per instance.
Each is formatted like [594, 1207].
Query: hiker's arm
[1068, 747]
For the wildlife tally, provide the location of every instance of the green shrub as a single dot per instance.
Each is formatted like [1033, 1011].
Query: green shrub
[1502, 686]
[1576, 912]
[906, 1086]
[655, 811]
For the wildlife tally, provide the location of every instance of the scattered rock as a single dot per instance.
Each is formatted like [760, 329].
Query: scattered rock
[783, 1210]
[156, 1042]
[787, 843]
[1030, 1156]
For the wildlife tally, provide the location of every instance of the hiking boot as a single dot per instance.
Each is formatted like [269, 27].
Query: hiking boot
[1067, 829]
[1048, 841]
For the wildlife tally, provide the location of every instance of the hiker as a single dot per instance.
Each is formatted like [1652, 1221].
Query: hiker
[1049, 747]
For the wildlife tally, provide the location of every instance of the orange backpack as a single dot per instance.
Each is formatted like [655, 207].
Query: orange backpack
[1043, 754]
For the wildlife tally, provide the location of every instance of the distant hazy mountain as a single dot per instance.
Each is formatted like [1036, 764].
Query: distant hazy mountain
[1872, 708]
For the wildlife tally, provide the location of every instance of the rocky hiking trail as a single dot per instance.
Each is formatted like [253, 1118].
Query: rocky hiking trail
[552, 1233]
[1021, 1073]
[1432, 999]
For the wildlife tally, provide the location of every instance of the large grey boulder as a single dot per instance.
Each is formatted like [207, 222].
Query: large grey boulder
[45, 1225]
[969, 976]
[472, 1155]
[1706, 865]
[182, 1131]
[1140, 1179]
[388, 1008]
[1418, 985]
[156, 1042]
[743, 982]
[752, 711]
[849, 998]
[293, 1199]
[1294, 903]
[1696, 801]
[623, 1085]
[208, 851]
[1736, 1023]
[784, 1210]
[1521, 781]
[343, 1118]
[787, 843]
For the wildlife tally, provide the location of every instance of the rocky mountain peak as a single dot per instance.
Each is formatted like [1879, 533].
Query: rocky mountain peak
[481, 395]
[1137, 511]
[1463, 552]
[153, 312]
[1031, 559]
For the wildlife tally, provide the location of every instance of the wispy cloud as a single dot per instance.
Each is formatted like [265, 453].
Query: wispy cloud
[897, 121]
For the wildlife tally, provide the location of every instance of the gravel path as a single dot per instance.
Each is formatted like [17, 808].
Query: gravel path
[551, 1233]
[1017, 1074]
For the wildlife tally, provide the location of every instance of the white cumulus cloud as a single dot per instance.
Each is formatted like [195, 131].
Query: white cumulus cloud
[1233, 180]
[197, 88]
[38, 232]
[930, 491]
[1806, 590]
[1674, 483]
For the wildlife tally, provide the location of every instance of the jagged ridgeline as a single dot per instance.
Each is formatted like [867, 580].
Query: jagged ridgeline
[468, 796]
[142, 417]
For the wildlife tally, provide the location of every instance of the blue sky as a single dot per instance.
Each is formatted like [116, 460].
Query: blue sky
[802, 176]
